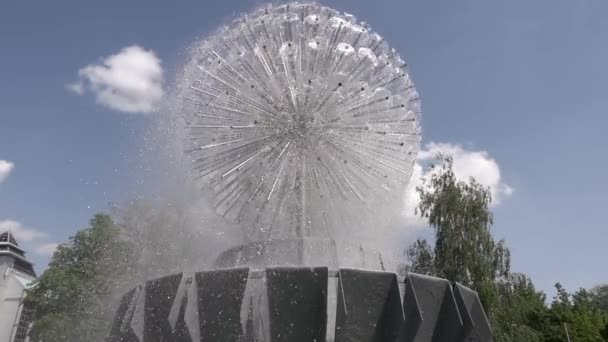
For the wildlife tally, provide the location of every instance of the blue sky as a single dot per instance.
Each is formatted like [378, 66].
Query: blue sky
[516, 83]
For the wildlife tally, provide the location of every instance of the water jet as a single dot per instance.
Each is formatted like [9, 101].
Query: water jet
[302, 128]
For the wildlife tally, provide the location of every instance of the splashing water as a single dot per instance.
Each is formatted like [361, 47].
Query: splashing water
[301, 122]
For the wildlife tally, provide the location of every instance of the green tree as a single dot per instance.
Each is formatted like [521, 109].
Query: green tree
[576, 315]
[72, 300]
[599, 297]
[421, 257]
[464, 249]
[521, 310]
[599, 301]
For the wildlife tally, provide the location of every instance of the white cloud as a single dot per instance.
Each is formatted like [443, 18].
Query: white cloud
[467, 163]
[5, 168]
[30, 239]
[129, 81]
[46, 249]
[20, 232]
[76, 87]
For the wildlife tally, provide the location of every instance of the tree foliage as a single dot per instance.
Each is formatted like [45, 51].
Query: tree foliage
[574, 313]
[72, 300]
[599, 297]
[520, 310]
[464, 249]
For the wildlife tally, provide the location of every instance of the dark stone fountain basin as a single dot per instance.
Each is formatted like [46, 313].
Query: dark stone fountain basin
[299, 304]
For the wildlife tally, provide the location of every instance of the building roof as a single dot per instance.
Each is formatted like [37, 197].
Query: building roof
[9, 238]
[10, 248]
[8, 242]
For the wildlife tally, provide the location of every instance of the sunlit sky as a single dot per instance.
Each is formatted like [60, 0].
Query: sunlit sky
[514, 88]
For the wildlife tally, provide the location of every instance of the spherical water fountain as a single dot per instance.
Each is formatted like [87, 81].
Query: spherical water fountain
[301, 121]
[303, 129]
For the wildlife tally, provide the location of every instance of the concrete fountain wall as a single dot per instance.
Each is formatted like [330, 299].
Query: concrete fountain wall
[299, 304]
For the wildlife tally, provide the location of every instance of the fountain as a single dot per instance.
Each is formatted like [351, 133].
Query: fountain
[302, 129]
